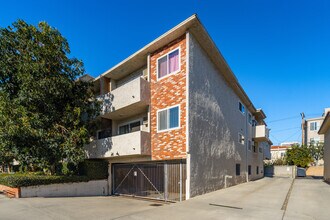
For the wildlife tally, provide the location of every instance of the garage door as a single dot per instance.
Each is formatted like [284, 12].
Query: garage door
[157, 180]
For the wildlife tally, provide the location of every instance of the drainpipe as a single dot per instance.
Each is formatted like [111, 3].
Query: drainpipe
[246, 144]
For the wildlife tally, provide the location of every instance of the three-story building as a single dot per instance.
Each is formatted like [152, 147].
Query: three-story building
[175, 121]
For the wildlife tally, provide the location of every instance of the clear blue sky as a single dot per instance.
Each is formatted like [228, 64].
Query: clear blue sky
[278, 49]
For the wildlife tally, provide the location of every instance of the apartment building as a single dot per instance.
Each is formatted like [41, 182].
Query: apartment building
[278, 152]
[175, 122]
[325, 130]
[310, 128]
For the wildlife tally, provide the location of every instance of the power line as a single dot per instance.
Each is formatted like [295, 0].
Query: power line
[283, 119]
[285, 129]
[291, 136]
[293, 117]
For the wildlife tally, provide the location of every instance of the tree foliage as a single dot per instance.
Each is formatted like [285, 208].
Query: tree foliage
[44, 110]
[316, 150]
[299, 156]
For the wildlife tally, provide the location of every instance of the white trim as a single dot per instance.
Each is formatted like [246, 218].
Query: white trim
[239, 140]
[169, 129]
[167, 75]
[148, 66]
[187, 119]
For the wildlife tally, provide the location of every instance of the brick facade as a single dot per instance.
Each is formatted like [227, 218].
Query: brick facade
[168, 92]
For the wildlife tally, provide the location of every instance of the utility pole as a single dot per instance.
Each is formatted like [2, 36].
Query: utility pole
[302, 128]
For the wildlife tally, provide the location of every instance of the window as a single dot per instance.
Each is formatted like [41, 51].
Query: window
[250, 119]
[241, 107]
[250, 145]
[249, 169]
[170, 63]
[255, 147]
[257, 171]
[238, 169]
[260, 150]
[254, 123]
[130, 127]
[104, 133]
[240, 138]
[168, 118]
[313, 126]
[282, 154]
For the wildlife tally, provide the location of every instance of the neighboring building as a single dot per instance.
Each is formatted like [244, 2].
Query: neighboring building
[289, 143]
[175, 121]
[325, 130]
[310, 128]
[279, 152]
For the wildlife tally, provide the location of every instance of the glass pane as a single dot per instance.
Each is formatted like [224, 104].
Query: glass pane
[135, 126]
[162, 67]
[174, 117]
[173, 61]
[124, 129]
[162, 120]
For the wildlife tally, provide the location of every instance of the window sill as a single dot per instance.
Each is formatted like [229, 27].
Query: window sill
[170, 129]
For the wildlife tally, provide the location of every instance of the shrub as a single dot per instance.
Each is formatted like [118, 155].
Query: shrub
[19, 180]
[94, 169]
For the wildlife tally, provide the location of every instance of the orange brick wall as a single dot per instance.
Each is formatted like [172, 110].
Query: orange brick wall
[167, 92]
[15, 191]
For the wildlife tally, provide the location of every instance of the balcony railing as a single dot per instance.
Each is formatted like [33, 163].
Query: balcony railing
[124, 99]
[135, 143]
[261, 133]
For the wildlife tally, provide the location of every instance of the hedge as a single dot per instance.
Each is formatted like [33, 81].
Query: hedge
[88, 170]
[19, 180]
[94, 169]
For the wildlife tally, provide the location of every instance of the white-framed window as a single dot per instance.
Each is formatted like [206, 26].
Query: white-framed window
[254, 123]
[168, 64]
[241, 107]
[250, 118]
[169, 118]
[240, 138]
[313, 126]
[250, 145]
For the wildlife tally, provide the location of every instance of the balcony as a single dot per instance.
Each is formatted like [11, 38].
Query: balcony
[126, 100]
[130, 144]
[260, 133]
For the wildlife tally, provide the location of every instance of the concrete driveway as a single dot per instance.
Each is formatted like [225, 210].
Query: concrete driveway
[268, 198]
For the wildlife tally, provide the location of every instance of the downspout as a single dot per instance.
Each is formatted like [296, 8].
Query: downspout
[246, 144]
[187, 118]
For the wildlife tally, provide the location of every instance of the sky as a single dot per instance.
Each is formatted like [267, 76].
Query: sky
[279, 50]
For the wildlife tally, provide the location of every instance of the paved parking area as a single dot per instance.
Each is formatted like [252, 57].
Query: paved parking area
[263, 199]
[71, 208]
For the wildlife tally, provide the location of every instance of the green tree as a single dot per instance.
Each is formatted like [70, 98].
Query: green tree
[299, 156]
[45, 112]
[316, 150]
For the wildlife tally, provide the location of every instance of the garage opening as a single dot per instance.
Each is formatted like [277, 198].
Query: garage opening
[164, 180]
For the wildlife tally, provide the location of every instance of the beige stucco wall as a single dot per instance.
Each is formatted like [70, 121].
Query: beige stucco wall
[91, 188]
[314, 134]
[327, 156]
[214, 124]
[134, 143]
